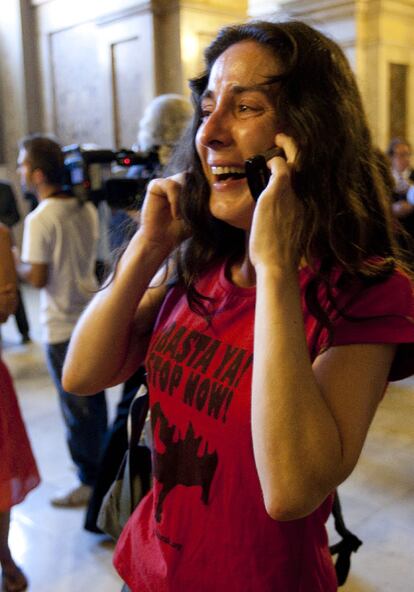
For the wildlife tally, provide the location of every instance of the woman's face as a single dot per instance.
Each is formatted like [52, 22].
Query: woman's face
[239, 121]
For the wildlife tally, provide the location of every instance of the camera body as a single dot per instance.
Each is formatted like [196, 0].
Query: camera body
[88, 174]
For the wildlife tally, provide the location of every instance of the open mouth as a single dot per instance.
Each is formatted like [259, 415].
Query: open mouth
[226, 173]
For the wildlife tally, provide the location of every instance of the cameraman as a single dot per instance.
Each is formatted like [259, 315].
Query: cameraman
[58, 257]
[161, 126]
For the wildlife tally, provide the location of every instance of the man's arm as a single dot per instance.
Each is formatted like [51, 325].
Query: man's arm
[32, 267]
[34, 274]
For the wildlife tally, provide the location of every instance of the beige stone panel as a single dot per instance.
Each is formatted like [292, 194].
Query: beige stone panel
[12, 84]
[227, 5]
[384, 37]
[367, 66]
[373, 87]
[97, 74]
[126, 57]
[76, 84]
[198, 27]
[334, 18]
[19, 109]
[394, 30]
[317, 10]
[126, 84]
[378, 73]
[58, 14]
[167, 50]
[396, 33]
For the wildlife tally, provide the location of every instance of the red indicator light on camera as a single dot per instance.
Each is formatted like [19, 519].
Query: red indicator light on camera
[127, 161]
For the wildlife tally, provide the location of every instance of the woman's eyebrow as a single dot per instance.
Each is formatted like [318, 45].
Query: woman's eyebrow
[261, 87]
[237, 89]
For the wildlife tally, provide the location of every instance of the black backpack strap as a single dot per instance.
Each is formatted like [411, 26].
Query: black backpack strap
[137, 415]
[350, 543]
[139, 458]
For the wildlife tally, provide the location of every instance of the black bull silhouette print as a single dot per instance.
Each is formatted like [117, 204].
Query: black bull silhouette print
[180, 464]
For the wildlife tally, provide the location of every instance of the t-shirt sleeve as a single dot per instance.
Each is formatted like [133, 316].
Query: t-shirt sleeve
[37, 244]
[381, 313]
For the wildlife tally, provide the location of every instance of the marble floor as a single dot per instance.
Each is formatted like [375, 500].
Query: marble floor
[59, 556]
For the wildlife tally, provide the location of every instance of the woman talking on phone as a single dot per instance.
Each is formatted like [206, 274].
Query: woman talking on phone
[270, 336]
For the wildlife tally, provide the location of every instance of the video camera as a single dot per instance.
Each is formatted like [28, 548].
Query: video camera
[88, 174]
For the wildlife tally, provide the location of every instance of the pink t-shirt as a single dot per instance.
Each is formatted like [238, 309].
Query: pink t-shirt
[204, 527]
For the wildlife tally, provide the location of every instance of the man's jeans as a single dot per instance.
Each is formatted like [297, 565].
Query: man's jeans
[85, 418]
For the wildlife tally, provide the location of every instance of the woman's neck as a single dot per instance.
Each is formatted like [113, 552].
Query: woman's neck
[242, 272]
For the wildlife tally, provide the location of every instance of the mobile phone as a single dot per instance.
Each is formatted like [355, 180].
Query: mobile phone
[257, 172]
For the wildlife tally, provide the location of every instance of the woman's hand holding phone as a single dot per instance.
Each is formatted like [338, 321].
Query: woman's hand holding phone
[275, 231]
[257, 171]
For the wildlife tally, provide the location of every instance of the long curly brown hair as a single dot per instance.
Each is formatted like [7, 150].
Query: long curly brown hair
[338, 177]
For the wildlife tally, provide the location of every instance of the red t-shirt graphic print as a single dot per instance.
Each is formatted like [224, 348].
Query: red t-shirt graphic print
[204, 526]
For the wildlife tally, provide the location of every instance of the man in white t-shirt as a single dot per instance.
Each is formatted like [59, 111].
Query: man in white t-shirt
[58, 256]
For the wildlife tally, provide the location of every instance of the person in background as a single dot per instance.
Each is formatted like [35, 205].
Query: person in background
[18, 470]
[399, 153]
[162, 125]
[10, 216]
[159, 131]
[270, 337]
[160, 128]
[58, 257]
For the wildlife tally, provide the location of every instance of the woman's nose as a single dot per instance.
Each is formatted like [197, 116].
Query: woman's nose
[216, 129]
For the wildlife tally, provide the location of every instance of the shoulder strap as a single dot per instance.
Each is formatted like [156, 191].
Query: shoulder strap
[350, 543]
[137, 415]
[139, 457]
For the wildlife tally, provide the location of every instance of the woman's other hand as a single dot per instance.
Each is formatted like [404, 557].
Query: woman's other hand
[160, 221]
